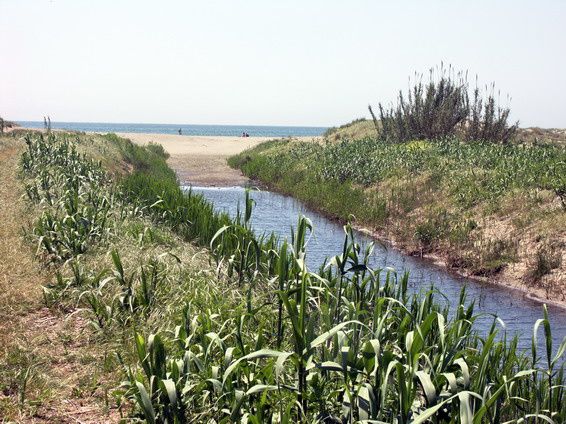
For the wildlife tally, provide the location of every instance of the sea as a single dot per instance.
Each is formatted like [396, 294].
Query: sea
[186, 129]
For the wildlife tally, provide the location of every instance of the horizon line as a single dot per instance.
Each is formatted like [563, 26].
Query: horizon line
[175, 124]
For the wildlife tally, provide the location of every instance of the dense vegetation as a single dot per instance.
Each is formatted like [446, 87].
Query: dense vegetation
[443, 107]
[254, 336]
[363, 128]
[430, 196]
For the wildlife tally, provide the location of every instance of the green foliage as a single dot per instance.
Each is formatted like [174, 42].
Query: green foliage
[442, 108]
[356, 347]
[157, 149]
[75, 193]
[427, 232]
[265, 339]
[471, 173]
[143, 159]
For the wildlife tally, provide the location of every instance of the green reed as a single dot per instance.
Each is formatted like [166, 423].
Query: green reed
[443, 107]
[266, 339]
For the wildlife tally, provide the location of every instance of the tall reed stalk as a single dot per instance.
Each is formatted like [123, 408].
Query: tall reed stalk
[347, 343]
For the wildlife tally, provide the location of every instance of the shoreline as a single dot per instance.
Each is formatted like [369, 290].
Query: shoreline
[200, 145]
[440, 262]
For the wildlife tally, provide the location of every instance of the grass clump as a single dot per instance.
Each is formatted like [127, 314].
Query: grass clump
[547, 258]
[358, 128]
[157, 149]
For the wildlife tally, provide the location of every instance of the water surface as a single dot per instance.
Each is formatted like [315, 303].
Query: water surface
[208, 130]
[278, 214]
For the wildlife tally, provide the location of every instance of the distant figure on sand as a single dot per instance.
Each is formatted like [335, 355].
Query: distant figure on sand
[245, 134]
[180, 132]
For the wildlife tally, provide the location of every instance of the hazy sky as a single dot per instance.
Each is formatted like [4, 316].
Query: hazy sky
[287, 62]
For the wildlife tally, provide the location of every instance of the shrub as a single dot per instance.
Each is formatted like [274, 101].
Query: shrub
[547, 258]
[441, 108]
[433, 228]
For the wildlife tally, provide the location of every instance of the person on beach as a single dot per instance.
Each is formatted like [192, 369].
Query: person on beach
[180, 132]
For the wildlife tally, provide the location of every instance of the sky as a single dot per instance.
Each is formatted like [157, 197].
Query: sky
[264, 62]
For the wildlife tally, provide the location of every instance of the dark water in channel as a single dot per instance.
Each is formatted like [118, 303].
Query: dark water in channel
[276, 213]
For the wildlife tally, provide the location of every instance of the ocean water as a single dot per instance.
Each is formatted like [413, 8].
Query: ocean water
[211, 130]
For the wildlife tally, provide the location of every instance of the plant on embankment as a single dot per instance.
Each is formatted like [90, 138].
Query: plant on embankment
[443, 107]
[258, 337]
[442, 196]
[356, 346]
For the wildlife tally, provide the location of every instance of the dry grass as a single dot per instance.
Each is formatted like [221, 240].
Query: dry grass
[19, 278]
[53, 367]
[542, 135]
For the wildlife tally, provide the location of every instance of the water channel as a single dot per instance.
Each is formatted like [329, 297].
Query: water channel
[278, 214]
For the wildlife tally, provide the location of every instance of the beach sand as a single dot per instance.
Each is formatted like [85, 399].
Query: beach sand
[201, 160]
[197, 145]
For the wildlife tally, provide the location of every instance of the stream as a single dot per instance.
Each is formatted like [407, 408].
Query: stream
[278, 214]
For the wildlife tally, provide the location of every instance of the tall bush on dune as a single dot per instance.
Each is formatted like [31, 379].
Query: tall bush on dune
[443, 107]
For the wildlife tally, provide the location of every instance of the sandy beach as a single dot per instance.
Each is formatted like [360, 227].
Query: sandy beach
[201, 160]
[197, 145]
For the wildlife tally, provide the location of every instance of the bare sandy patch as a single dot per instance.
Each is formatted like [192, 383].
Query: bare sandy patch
[201, 160]
[209, 171]
[197, 145]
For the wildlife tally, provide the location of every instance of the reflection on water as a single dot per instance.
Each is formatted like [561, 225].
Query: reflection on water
[276, 213]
